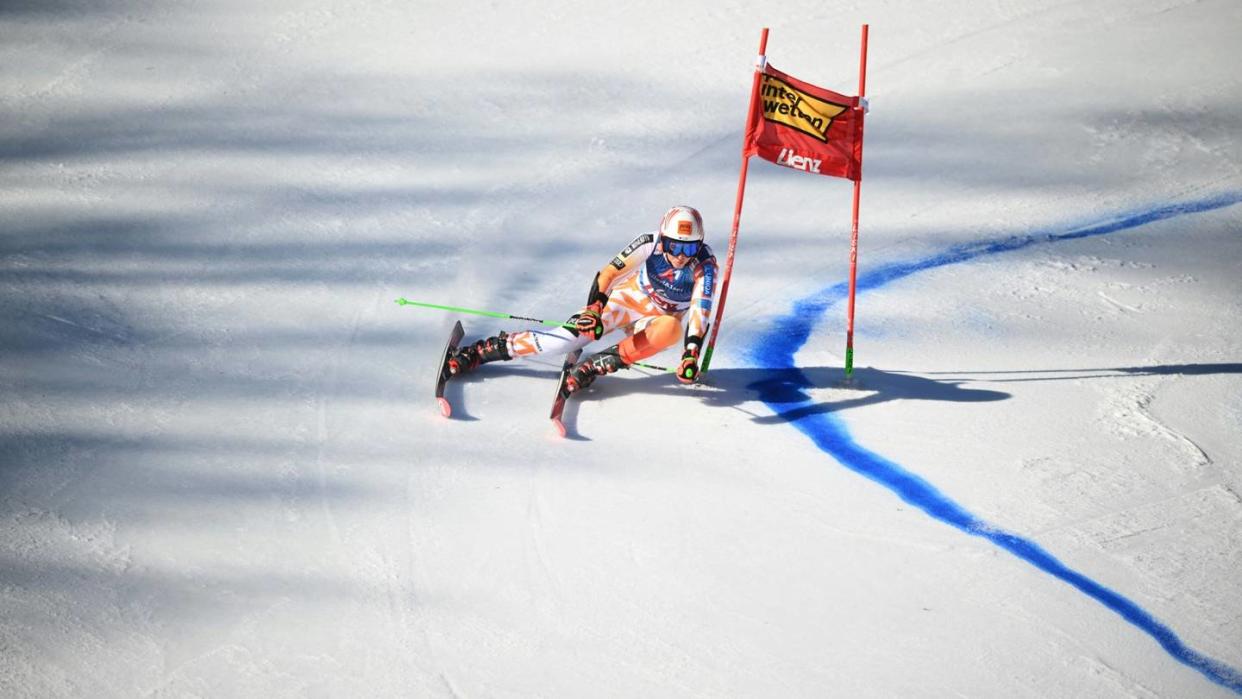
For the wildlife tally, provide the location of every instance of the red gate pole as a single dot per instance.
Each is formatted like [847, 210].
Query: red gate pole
[760, 62]
[849, 331]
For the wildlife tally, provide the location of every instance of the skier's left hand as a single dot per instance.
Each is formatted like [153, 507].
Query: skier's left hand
[688, 371]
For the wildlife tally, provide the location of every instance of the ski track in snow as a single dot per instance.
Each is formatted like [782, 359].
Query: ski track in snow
[775, 350]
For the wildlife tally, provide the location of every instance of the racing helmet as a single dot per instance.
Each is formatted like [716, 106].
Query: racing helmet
[682, 224]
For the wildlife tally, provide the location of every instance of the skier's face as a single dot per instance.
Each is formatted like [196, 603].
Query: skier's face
[678, 253]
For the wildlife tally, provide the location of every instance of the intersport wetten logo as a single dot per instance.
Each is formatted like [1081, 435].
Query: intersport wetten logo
[784, 104]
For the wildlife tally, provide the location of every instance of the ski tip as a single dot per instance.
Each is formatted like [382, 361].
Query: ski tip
[445, 408]
[560, 427]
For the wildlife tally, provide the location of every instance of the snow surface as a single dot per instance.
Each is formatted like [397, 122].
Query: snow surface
[222, 471]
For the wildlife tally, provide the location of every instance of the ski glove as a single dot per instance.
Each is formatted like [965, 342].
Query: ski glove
[589, 322]
[688, 371]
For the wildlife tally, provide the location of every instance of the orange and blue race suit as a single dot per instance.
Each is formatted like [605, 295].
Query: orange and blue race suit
[648, 299]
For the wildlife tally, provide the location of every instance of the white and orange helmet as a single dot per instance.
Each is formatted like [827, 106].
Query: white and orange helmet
[683, 224]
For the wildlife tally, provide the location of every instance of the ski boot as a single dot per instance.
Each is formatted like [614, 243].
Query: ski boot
[468, 358]
[605, 362]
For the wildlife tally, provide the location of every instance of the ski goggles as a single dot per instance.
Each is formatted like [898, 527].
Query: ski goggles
[688, 248]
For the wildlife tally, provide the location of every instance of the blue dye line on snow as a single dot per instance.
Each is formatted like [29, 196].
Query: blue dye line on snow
[775, 350]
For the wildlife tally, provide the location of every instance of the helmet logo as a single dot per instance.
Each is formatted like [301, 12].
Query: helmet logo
[685, 228]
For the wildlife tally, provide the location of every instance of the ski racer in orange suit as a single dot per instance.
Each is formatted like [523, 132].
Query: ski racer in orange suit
[648, 290]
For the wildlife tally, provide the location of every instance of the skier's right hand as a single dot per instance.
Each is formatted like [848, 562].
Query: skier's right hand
[589, 321]
[688, 370]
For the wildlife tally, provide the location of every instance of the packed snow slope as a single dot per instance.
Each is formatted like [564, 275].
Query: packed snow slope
[222, 472]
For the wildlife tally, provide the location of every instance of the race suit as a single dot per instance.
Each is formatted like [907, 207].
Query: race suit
[648, 298]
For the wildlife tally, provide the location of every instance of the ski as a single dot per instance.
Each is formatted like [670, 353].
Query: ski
[443, 375]
[558, 403]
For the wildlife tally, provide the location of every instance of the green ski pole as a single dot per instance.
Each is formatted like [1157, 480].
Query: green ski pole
[477, 312]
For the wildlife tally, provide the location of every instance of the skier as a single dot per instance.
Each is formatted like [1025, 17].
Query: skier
[647, 290]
